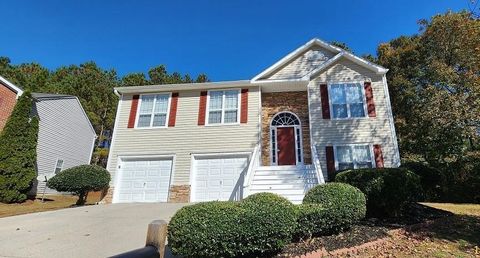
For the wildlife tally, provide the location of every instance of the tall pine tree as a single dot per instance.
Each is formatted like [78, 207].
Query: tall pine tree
[18, 143]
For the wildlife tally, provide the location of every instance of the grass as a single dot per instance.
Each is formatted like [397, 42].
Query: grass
[52, 202]
[453, 236]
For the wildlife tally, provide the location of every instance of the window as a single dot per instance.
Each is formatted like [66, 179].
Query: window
[153, 110]
[223, 107]
[353, 157]
[58, 166]
[347, 100]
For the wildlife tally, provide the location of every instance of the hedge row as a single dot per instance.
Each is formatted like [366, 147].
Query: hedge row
[263, 223]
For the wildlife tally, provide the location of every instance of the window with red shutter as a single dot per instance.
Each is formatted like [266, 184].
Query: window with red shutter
[202, 109]
[330, 162]
[377, 150]
[244, 107]
[369, 98]
[133, 111]
[172, 117]
[325, 101]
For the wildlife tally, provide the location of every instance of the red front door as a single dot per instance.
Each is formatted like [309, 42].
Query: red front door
[286, 145]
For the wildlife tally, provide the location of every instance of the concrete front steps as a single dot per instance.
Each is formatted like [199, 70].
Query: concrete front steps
[291, 182]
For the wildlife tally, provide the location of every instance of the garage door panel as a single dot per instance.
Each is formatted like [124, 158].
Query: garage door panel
[144, 180]
[220, 179]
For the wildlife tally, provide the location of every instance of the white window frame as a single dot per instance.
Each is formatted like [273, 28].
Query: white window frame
[370, 148]
[207, 123]
[298, 139]
[56, 166]
[349, 117]
[153, 108]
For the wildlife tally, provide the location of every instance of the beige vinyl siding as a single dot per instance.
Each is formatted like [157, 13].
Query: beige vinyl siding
[186, 137]
[369, 130]
[301, 66]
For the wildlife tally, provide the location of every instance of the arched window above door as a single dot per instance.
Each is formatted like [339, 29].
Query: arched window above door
[285, 119]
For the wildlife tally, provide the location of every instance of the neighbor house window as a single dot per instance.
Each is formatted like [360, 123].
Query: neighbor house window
[353, 157]
[347, 100]
[153, 110]
[58, 166]
[223, 107]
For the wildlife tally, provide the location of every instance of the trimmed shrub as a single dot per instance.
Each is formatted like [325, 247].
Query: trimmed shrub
[312, 219]
[388, 190]
[346, 205]
[431, 179]
[259, 225]
[269, 222]
[18, 154]
[80, 180]
[209, 229]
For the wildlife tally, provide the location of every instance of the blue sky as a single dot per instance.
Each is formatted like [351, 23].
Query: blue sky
[228, 40]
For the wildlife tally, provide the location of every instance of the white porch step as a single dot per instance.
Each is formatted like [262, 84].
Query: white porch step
[291, 182]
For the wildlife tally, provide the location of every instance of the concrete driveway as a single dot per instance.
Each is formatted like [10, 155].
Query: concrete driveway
[91, 231]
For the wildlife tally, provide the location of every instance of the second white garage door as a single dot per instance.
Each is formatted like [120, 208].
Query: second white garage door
[218, 178]
[143, 180]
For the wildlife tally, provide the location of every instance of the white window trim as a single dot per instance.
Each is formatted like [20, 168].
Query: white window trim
[370, 147]
[207, 115]
[55, 167]
[365, 109]
[275, 147]
[153, 108]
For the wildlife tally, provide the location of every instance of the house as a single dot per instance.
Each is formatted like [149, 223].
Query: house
[66, 137]
[9, 93]
[318, 110]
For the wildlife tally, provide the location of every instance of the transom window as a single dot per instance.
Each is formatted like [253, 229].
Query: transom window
[347, 100]
[353, 157]
[285, 119]
[58, 166]
[153, 110]
[223, 107]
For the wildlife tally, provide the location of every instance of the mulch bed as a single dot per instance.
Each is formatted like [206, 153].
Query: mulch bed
[367, 231]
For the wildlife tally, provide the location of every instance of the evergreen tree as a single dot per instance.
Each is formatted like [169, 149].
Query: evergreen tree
[18, 143]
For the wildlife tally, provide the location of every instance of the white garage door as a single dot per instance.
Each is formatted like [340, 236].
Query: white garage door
[219, 178]
[143, 180]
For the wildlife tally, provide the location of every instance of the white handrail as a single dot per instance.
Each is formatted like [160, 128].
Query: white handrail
[251, 167]
[317, 165]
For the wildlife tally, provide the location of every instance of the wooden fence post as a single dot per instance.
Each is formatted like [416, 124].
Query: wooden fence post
[157, 236]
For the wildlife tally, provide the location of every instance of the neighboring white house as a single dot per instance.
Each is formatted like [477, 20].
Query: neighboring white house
[318, 110]
[66, 137]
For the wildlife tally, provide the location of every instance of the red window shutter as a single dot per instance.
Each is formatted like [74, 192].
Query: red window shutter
[202, 109]
[244, 107]
[133, 111]
[377, 150]
[330, 162]
[325, 101]
[172, 117]
[369, 98]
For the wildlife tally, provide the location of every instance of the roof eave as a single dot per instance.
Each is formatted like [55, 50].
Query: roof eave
[12, 86]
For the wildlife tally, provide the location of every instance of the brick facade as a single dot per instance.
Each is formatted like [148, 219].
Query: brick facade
[8, 98]
[273, 103]
[179, 193]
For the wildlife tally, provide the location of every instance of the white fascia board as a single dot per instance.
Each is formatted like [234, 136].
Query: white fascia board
[291, 56]
[12, 86]
[367, 64]
[182, 86]
[310, 75]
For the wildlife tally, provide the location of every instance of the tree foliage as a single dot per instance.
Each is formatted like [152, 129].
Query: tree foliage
[434, 82]
[18, 142]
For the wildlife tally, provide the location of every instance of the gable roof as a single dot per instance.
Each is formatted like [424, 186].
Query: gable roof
[11, 86]
[339, 52]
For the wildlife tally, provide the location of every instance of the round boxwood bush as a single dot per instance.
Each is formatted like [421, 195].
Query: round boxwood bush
[209, 229]
[312, 219]
[80, 180]
[259, 225]
[388, 190]
[431, 179]
[346, 205]
[269, 222]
